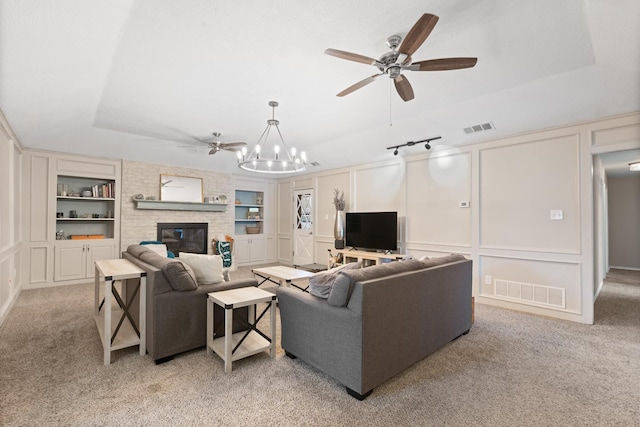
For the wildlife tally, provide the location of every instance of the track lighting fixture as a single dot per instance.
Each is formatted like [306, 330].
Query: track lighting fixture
[412, 143]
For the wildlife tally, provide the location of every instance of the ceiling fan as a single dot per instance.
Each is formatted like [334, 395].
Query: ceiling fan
[397, 60]
[217, 145]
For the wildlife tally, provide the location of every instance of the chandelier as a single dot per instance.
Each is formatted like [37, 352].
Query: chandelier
[279, 161]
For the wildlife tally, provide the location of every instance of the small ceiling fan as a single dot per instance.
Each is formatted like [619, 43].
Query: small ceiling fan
[397, 60]
[217, 145]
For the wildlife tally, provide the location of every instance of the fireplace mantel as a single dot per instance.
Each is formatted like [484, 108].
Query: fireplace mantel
[180, 206]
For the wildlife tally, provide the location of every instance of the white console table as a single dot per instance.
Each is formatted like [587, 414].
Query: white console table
[116, 327]
[350, 255]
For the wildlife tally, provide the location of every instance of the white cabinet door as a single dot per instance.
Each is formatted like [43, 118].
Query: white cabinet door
[242, 251]
[96, 252]
[258, 249]
[75, 259]
[250, 249]
[69, 262]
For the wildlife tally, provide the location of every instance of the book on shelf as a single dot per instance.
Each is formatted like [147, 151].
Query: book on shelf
[106, 191]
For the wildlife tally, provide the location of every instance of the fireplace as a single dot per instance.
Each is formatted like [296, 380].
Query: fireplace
[184, 236]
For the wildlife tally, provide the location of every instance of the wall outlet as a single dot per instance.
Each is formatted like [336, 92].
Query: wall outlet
[464, 204]
[556, 214]
[487, 280]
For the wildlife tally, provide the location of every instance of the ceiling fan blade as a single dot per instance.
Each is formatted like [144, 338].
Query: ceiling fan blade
[443, 64]
[233, 144]
[358, 85]
[404, 88]
[214, 150]
[350, 56]
[204, 141]
[234, 149]
[418, 34]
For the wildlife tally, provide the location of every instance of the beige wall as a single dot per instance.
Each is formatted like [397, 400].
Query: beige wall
[144, 178]
[435, 188]
[519, 186]
[523, 259]
[11, 251]
[624, 222]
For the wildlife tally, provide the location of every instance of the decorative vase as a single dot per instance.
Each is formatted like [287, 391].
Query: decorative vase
[338, 226]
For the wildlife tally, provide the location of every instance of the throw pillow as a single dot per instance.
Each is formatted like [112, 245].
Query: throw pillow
[343, 286]
[160, 249]
[208, 268]
[320, 284]
[435, 261]
[181, 277]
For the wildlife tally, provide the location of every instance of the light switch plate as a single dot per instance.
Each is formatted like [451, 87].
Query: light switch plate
[464, 204]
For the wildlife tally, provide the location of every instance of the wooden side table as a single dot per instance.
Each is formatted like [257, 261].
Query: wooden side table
[116, 327]
[246, 343]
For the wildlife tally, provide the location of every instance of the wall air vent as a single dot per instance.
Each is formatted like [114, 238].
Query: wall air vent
[526, 293]
[479, 128]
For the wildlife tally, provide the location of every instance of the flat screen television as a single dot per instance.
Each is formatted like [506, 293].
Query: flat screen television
[372, 230]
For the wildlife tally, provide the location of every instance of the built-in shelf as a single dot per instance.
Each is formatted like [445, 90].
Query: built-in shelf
[88, 199]
[84, 219]
[179, 206]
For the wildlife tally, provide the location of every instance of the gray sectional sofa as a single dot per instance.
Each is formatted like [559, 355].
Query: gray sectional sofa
[379, 320]
[176, 306]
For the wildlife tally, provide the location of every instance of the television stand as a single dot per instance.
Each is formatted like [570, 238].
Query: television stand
[367, 258]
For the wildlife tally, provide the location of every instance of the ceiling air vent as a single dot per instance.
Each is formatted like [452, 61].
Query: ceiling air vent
[479, 128]
[314, 164]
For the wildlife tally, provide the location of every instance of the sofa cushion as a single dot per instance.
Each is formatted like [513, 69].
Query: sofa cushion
[320, 284]
[136, 250]
[154, 259]
[208, 268]
[181, 277]
[343, 285]
[434, 262]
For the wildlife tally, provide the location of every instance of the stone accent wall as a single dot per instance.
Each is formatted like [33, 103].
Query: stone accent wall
[144, 178]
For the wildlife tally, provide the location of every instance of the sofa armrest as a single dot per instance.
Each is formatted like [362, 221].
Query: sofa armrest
[327, 337]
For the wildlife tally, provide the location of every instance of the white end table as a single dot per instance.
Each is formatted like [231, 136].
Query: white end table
[281, 275]
[116, 327]
[246, 343]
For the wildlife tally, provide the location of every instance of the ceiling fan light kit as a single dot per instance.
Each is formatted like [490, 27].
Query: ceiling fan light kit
[398, 59]
[282, 161]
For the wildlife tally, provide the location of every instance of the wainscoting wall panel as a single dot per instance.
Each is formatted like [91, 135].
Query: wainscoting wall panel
[325, 209]
[521, 274]
[436, 188]
[519, 187]
[379, 188]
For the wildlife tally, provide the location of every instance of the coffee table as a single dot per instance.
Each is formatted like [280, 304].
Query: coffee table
[282, 275]
[245, 343]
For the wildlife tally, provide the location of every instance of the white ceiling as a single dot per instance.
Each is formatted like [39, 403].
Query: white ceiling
[138, 79]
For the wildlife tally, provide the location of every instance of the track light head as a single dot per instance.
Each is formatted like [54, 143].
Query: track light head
[395, 152]
[427, 146]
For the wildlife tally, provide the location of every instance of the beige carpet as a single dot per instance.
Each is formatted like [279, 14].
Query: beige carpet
[511, 369]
